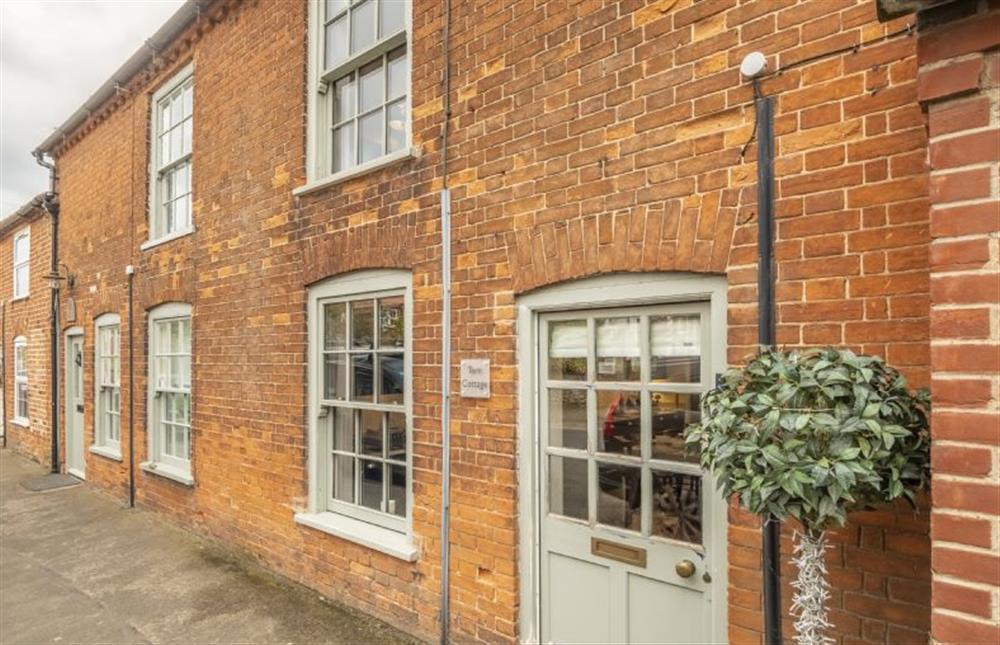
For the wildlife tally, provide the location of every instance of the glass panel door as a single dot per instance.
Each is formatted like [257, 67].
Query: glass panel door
[617, 389]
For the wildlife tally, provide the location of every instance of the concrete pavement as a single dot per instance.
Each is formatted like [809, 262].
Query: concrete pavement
[76, 567]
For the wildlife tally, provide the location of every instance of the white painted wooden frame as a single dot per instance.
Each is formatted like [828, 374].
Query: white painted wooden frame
[20, 343]
[102, 445]
[349, 521]
[24, 233]
[153, 200]
[319, 100]
[156, 464]
[619, 290]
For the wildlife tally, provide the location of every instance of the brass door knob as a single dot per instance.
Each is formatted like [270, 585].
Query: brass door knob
[685, 568]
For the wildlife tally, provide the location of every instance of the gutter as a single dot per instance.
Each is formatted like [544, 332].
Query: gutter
[11, 220]
[159, 41]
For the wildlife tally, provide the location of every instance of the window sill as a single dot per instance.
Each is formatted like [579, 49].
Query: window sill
[344, 175]
[393, 543]
[21, 421]
[108, 453]
[19, 298]
[162, 470]
[148, 244]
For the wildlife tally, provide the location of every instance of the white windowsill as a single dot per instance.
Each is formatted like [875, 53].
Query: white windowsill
[350, 173]
[148, 244]
[21, 421]
[398, 545]
[162, 470]
[104, 451]
[17, 298]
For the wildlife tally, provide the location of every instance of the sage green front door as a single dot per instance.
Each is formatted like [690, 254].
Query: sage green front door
[76, 464]
[627, 517]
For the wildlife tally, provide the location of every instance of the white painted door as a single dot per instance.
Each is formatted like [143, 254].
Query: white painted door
[627, 516]
[75, 462]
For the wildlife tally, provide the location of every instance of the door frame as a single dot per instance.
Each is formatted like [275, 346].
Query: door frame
[636, 289]
[68, 335]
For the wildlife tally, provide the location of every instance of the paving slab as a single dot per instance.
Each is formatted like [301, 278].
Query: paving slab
[77, 567]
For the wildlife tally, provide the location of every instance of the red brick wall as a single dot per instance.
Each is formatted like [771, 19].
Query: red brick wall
[28, 317]
[586, 138]
[959, 81]
[608, 139]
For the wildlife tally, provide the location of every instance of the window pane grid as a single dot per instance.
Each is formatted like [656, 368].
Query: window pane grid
[22, 258]
[20, 380]
[368, 112]
[613, 430]
[351, 27]
[173, 166]
[363, 339]
[108, 381]
[172, 385]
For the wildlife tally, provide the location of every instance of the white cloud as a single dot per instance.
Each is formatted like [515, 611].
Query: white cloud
[53, 55]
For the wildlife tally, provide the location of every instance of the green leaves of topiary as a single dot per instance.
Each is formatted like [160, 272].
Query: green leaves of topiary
[814, 434]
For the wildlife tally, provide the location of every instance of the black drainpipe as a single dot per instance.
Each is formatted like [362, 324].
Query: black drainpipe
[51, 204]
[771, 532]
[3, 364]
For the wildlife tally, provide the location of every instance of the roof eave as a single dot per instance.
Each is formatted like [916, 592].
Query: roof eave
[33, 204]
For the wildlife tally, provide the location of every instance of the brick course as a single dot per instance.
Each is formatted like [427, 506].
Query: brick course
[959, 82]
[586, 138]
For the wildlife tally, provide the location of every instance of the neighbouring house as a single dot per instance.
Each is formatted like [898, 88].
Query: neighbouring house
[250, 317]
[25, 326]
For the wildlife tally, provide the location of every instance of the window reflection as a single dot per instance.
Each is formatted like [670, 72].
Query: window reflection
[391, 366]
[677, 506]
[619, 501]
[618, 349]
[568, 350]
[568, 486]
[620, 418]
[568, 418]
[675, 349]
[671, 414]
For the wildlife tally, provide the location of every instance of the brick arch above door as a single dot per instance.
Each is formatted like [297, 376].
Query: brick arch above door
[697, 238]
[385, 244]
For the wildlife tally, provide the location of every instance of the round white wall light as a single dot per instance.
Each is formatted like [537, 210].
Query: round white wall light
[753, 64]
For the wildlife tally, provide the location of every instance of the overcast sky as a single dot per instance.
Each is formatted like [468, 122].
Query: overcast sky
[53, 55]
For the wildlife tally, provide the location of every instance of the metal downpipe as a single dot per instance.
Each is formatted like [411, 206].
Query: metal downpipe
[771, 530]
[51, 205]
[445, 616]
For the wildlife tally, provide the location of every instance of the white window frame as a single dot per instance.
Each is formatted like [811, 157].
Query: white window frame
[320, 98]
[104, 444]
[380, 531]
[159, 462]
[23, 234]
[20, 376]
[156, 211]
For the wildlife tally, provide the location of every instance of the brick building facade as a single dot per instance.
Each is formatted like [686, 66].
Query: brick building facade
[25, 254]
[598, 161]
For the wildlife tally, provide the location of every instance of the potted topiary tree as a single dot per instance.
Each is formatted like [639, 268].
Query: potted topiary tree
[813, 435]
